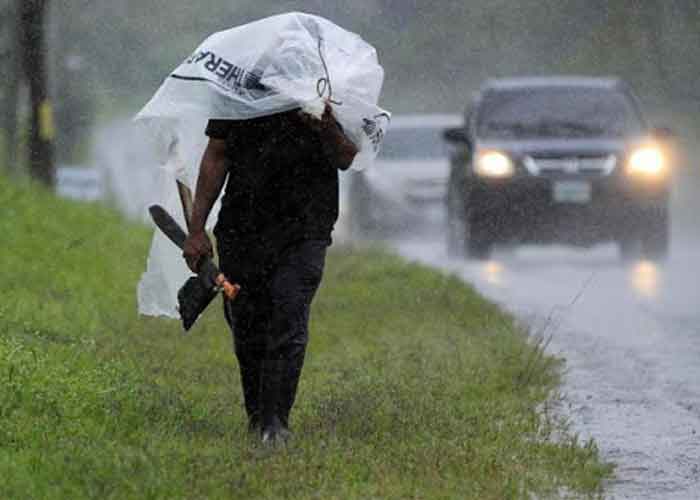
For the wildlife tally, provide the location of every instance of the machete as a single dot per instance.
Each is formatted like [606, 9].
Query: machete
[187, 203]
[207, 270]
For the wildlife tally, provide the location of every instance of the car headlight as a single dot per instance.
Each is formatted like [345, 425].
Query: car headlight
[493, 164]
[647, 160]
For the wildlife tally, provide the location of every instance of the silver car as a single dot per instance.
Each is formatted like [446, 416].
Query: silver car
[406, 187]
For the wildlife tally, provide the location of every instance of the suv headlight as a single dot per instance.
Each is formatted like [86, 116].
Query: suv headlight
[646, 160]
[493, 164]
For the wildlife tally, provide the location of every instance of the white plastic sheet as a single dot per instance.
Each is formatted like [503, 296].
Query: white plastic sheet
[262, 68]
[277, 64]
[181, 144]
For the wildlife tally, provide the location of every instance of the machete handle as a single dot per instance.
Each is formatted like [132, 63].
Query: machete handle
[230, 290]
[215, 278]
[212, 275]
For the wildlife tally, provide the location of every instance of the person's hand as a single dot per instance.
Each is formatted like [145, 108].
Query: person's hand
[334, 142]
[326, 122]
[196, 248]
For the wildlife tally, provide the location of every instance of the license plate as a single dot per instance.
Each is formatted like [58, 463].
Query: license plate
[572, 192]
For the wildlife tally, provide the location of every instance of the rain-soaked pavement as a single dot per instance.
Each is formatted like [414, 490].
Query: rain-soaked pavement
[631, 337]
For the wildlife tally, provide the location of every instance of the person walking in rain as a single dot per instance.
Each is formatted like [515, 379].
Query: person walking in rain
[286, 102]
[277, 214]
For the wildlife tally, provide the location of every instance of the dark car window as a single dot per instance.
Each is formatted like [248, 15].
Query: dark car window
[557, 112]
[414, 144]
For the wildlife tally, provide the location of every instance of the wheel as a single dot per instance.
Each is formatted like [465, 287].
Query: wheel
[479, 243]
[628, 248]
[456, 225]
[466, 233]
[655, 236]
[647, 235]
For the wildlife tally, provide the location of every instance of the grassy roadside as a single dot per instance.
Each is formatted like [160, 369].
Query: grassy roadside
[414, 387]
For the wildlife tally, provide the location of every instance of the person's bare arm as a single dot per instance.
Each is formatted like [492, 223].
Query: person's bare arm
[212, 174]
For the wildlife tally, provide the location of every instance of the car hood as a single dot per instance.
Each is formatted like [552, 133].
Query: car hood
[556, 147]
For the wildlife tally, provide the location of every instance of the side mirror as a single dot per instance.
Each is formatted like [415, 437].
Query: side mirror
[457, 135]
[663, 133]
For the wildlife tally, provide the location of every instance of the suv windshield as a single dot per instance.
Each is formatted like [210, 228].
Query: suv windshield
[556, 113]
[422, 143]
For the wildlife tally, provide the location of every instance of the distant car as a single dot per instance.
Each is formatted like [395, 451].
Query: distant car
[406, 187]
[555, 159]
[79, 183]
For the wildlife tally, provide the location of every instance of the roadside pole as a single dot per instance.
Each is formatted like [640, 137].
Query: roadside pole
[10, 79]
[33, 52]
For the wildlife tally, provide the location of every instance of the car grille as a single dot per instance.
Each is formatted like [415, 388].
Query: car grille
[591, 166]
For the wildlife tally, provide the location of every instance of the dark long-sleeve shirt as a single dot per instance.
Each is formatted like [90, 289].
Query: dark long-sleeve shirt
[281, 188]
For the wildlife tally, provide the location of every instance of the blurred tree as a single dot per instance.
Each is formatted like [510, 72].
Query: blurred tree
[75, 106]
[34, 66]
[72, 78]
[435, 53]
[9, 82]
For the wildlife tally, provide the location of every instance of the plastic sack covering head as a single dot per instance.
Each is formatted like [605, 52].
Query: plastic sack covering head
[262, 68]
[277, 64]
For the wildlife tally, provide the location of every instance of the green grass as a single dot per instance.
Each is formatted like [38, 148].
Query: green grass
[414, 387]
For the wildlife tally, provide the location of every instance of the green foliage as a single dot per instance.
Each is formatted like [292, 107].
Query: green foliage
[414, 386]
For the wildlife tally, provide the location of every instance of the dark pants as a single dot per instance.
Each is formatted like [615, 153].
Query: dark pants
[269, 320]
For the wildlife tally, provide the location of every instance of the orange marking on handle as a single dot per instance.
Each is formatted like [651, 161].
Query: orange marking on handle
[230, 290]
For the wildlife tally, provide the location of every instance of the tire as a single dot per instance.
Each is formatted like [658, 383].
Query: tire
[647, 235]
[455, 226]
[627, 248]
[479, 241]
[465, 237]
[479, 246]
[655, 238]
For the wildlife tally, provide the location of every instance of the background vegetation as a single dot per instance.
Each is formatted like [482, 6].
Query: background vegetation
[108, 56]
[435, 53]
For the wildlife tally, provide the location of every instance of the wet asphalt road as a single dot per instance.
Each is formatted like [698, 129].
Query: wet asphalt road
[630, 334]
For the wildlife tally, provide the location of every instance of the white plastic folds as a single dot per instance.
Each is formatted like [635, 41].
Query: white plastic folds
[276, 64]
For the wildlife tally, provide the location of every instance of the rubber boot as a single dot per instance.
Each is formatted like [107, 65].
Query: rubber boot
[272, 386]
